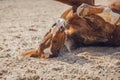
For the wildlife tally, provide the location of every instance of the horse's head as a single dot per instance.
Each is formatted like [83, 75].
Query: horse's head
[54, 40]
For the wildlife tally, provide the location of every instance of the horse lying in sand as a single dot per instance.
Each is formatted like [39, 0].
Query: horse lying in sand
[85, 27]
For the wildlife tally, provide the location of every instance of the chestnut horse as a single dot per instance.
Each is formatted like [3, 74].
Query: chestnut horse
[82, 26]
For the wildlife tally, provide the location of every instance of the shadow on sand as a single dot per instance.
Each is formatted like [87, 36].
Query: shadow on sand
[84, 55]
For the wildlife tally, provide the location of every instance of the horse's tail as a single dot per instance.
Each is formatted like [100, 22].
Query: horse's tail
[31, 53]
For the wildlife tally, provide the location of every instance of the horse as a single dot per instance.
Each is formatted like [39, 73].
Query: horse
[84, 27]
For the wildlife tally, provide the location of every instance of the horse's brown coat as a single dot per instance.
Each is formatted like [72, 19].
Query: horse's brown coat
[87, 30]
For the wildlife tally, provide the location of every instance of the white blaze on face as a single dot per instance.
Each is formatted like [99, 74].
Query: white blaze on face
[59, 22]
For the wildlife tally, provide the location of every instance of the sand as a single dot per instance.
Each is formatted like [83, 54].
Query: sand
[23, 24]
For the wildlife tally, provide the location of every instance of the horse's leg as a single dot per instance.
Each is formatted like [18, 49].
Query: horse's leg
[86, 9]
[104, 11]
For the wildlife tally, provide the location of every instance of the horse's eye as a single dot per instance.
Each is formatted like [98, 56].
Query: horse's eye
[62, 29]
[53, 24]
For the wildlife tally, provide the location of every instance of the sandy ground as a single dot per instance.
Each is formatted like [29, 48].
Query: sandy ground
[22, 26]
